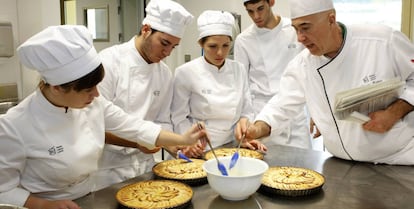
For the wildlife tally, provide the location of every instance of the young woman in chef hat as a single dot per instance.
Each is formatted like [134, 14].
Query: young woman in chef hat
[51, 142]
[212, 88]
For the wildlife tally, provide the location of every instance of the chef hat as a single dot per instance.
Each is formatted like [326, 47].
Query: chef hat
[167, 16]
[60, 54]
[215, 23]
[300, 8]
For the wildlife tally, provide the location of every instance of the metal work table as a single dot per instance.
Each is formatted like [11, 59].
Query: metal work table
[350, 185]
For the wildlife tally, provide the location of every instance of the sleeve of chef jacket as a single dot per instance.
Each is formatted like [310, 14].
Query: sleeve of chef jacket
[110, 60]
[288, 102]
[241, 55]
[128, 127]
[12, 162]
[402, 52]
[180, 107]
[247, 109]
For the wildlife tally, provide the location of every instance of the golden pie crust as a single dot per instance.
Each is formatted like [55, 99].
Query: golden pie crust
[155, 194]
[181, 170]
[223, 152]
[292, 181]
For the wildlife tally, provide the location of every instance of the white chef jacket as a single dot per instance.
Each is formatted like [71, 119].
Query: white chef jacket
[219, 97]
[370, 54]
[54, 154]
[140, 89]
[266, 53]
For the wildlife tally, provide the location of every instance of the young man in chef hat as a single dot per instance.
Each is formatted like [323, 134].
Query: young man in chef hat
[212, 88]
[339, 57]
[138, 81]
[265, 48]
[51, 142]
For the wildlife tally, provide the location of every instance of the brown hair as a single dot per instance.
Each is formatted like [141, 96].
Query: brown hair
[204, 39]
[88, 81]
[253, 2]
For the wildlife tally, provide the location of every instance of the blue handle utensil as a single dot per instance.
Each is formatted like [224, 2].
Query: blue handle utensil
[182, 156]
[220, 165]
[235, 156]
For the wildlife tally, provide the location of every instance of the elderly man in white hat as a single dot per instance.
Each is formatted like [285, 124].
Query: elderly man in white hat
[212, 88]
[338, 58]
[138, 81]
[265, 48]
[51, 142]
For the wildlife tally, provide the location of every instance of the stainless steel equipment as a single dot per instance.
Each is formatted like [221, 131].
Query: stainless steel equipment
[6, 206]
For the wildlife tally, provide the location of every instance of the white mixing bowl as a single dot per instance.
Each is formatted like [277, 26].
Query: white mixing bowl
[243, 180]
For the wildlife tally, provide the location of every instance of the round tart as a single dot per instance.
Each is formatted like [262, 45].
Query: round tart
[291, 181]
[155, 194]
[191, 173]
[223, 152]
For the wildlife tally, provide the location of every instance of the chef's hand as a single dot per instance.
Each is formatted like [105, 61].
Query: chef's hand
[257, 130]
[383, 120]
[34, 202]
[194, 151]
[168, 138]
[241, 127]
[255, 145]
[193, 134]
[380, 122]
[314, 129]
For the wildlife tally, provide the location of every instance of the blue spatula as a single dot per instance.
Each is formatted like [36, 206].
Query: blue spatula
[235, 156]
[182, 156]
[220, 165]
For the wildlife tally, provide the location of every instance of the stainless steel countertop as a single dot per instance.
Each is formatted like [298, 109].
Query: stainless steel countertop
[350, 185]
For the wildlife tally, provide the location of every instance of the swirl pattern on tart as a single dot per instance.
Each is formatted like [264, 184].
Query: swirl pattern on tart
[179, 169]
[155, 194]
[223, 152]
[292, 179]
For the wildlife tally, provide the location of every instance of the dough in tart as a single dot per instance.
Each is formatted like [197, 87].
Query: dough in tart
[154, 194]
[223, 152]
[180, 169]
[292, 178]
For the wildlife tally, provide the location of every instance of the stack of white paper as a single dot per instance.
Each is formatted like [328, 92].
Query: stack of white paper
[355, 104]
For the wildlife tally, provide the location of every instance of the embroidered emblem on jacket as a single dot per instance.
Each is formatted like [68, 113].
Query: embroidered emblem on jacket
[292, 46]
[206, 91]
[370, 78]
[156, 93]
[55, 150]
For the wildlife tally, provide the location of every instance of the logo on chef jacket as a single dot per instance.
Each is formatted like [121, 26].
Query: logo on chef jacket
[156, 93]
[369, 78]
[55, 150]
[292, 46]
[206, 91]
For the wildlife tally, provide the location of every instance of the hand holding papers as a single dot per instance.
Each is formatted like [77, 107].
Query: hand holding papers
[355, 104]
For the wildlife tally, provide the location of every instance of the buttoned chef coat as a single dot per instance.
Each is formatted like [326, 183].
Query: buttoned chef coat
[53, 154]
[219, 97]
[266, 53]
[370, 54]
[140, 89]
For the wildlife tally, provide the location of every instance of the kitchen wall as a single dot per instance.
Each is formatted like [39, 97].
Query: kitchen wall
[27, 17]
[31, 16]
